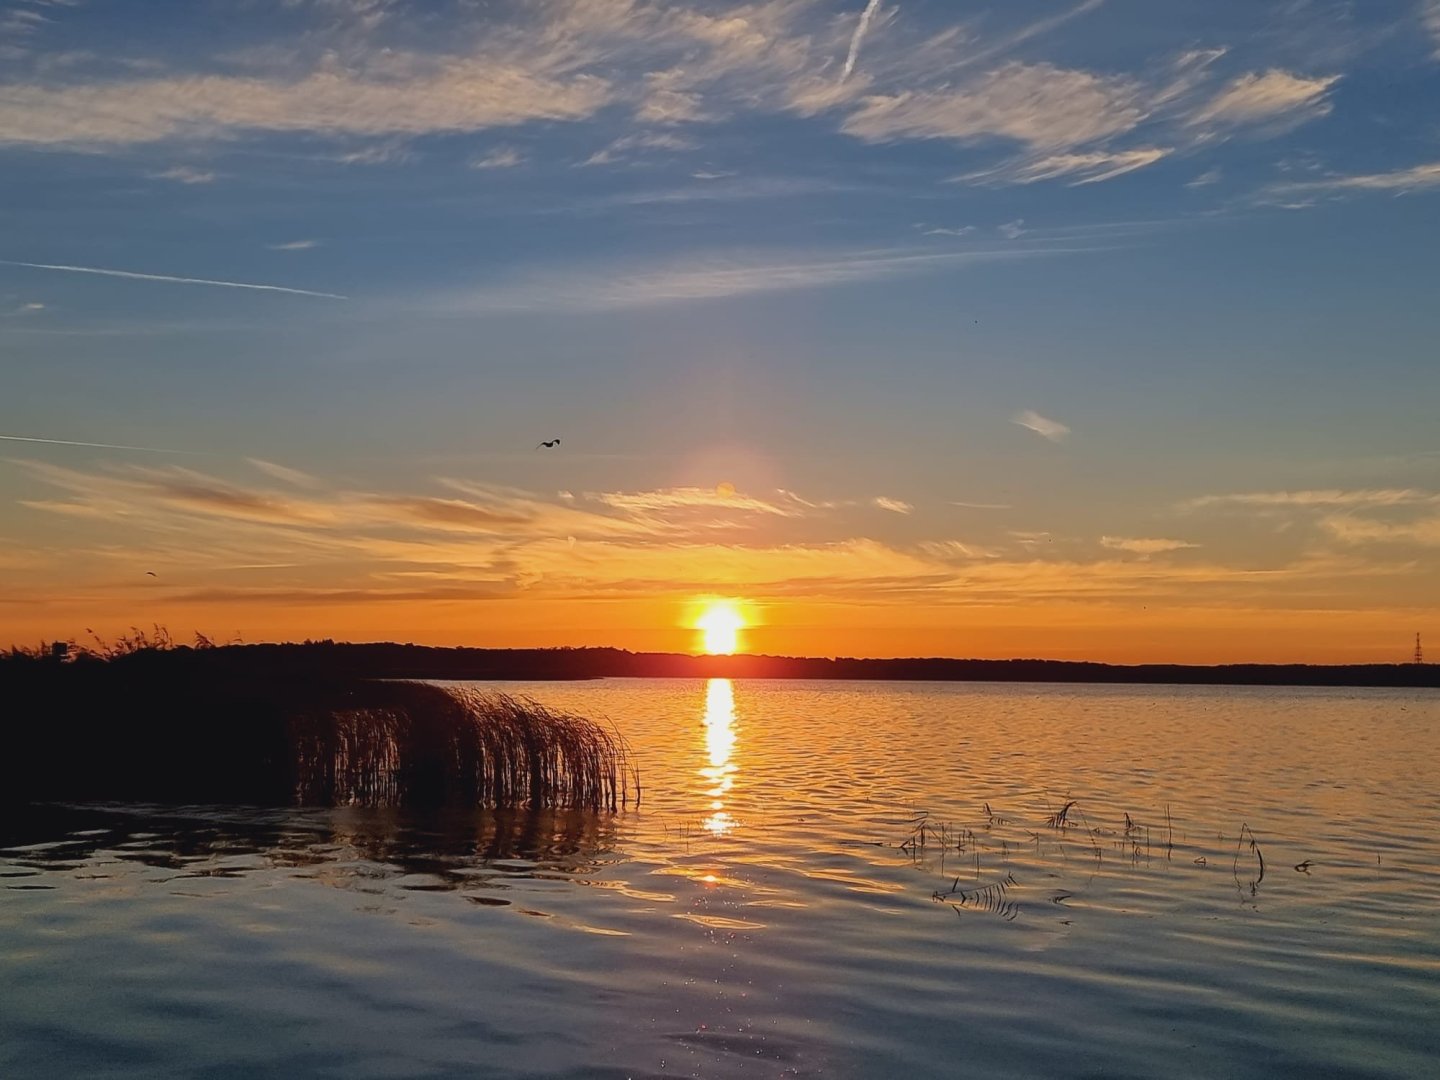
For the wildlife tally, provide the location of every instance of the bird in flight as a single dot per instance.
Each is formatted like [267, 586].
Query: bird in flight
[151, 573]
[549, 442]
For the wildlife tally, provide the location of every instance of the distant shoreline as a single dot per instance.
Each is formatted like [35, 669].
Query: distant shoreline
[398, 661]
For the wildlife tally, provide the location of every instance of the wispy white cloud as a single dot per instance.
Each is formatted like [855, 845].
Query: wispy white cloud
[1041, 425]
[1032, 536]
[667, 101]
[1415, 178]
[170, 279]
[180, 499]
[1430, 17]
[858, 38]
[1012, 230]
[1320, 497]
[1350, 516]
[724, 187]
[294, 245]
[509, 84]
[1145, 546]
[25, 17]
[186, 174]
[950, 550]
[615, 287]
[284, 473]
[385, 152]
[123, 491]
[1206, 179]
[937, 230]
[670, 500]
[640, 141]
[1421, 532]
[1081, 167]
[1267, 98]
[502, 157]
[33, 307]
[1040, 106]
[895, 506]
[95, 445]
[981, 505]
[1007, 43]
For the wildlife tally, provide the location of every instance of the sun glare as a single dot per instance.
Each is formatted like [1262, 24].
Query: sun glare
[720, 625]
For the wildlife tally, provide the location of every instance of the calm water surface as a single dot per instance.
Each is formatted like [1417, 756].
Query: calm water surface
[822, 880]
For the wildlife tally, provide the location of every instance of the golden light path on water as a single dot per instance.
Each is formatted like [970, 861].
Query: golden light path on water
[720, 748]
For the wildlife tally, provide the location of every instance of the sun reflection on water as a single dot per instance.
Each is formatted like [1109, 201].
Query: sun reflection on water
[719, 747]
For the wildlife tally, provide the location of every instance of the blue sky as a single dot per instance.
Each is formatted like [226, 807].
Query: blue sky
[1019, 321]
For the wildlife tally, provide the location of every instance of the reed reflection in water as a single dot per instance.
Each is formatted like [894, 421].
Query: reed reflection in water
[719, 723]
[450, 850]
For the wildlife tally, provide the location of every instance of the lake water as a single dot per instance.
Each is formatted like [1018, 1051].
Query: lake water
[823, 879]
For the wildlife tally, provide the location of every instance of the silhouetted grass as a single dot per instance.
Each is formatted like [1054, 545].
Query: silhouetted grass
[406, 744]
[1061, 817]
[1247, 836]
[193, 725]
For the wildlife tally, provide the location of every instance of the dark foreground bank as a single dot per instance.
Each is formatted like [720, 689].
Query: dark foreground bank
[285, 728]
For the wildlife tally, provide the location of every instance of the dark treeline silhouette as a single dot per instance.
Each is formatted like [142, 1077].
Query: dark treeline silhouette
[388, 660]
[315, 662]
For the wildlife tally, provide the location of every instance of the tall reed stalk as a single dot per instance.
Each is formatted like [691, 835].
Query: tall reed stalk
[409, 743]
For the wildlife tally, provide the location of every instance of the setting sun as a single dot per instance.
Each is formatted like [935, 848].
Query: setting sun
[720, 625]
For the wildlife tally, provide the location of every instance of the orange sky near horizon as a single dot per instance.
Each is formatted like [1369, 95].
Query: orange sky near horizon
[263, 552]
[1077, 632]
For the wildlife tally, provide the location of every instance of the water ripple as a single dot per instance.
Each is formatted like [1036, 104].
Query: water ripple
[825, 879]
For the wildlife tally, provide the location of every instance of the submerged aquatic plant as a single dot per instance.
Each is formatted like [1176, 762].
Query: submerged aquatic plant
[1021, 833]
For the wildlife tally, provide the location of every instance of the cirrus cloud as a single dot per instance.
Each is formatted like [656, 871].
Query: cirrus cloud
[1041, 425]
[1145, 546]
[895, 506]
[1268, 97]
[1038, 105]
[470, 94]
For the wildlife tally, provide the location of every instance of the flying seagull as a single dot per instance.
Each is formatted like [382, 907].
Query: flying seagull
[151, 573]
[550, 442]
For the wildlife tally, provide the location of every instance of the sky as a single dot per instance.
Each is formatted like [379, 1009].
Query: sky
[1101, 329]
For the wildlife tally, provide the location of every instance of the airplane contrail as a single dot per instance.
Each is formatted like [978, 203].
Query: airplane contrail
[170, 278]
[858, 37]
[99, 445]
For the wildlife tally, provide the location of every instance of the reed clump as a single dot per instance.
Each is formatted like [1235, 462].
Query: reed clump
[407, 744]
[190, 726]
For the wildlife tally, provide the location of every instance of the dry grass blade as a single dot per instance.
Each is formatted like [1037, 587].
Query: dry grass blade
[1060, 818]
[413, 744]
[1246, 836]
